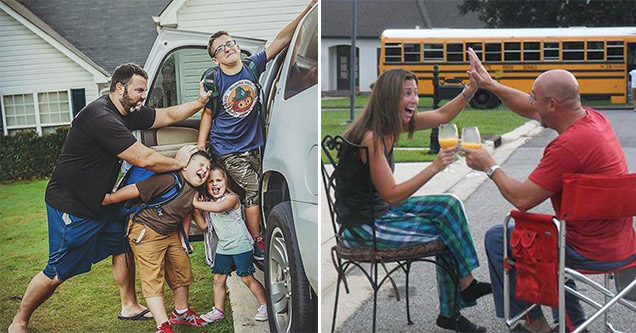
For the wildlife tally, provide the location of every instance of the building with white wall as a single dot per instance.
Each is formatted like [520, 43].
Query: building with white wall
[373, 17]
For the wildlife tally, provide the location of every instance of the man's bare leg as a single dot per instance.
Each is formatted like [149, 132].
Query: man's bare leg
[125, 279]
[39, 290]
[253, 219]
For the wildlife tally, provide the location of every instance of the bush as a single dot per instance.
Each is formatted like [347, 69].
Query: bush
[28, 156]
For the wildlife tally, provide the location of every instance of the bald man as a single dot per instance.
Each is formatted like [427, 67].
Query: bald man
[586, 144]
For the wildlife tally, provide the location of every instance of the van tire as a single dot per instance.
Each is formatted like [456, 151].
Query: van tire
[284, 274]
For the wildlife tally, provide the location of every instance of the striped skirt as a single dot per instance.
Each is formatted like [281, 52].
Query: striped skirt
[422, 219]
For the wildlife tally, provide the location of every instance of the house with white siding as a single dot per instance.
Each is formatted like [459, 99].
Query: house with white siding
[373, 17]
[56, 55]
[261, 19]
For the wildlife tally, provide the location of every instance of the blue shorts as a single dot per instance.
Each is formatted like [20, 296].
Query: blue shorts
[76, 243]
[242, 263]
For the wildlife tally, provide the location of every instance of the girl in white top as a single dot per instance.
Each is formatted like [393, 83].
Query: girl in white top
[234, 246]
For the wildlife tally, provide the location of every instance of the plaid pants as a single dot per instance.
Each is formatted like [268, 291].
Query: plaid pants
[422, 219]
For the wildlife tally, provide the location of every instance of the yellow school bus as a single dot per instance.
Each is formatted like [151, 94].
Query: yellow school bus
[600, 58]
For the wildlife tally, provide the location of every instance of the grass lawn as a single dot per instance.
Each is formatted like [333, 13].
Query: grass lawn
[88, 302]
[490, 122]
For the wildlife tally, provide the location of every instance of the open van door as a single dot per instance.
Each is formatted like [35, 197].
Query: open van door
[174, 66]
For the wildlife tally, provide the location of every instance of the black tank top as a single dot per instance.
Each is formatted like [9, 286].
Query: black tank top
[357, 201]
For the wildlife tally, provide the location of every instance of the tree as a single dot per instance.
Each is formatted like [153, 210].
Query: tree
[552, 13]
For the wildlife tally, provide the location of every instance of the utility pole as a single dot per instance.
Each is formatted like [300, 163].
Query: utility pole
[352, 62]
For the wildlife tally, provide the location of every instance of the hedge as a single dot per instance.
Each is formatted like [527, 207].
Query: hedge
[28, 156]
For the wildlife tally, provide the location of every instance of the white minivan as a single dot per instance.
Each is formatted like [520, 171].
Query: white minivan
[289, 186]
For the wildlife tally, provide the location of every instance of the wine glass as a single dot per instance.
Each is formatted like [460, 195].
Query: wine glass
[448, 138]
[471, 140]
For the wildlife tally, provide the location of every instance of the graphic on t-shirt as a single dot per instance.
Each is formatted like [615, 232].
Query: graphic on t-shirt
[239, 99]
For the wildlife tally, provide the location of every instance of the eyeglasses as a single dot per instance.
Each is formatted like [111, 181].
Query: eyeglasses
[222, 48]
[533, 98]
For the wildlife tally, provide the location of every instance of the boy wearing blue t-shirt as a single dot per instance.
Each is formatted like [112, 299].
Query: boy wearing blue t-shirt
[235, 134]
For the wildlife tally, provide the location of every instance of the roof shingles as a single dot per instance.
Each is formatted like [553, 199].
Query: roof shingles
[110, 32]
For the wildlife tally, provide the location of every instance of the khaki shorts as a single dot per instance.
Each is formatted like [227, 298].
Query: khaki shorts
[634, 97]
[154, 252]
[245, 171]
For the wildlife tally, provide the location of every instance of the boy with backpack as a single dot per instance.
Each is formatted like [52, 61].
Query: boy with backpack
[154, 236]
[231, 122]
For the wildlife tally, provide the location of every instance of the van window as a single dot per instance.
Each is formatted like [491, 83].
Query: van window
[178, 77]
[303, 68]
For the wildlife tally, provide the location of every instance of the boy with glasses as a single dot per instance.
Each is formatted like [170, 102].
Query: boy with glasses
[234, 132]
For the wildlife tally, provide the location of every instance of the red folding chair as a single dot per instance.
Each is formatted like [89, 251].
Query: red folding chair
[538, 243]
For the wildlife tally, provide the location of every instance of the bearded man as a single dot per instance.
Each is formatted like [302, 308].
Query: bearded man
[82, 231]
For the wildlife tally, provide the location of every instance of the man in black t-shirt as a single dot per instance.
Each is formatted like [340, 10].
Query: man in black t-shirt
[81, 231]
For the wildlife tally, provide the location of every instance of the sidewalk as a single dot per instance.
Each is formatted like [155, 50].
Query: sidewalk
[446, 182]
[244, 305]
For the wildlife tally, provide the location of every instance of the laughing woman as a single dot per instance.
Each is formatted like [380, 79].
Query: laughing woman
[403, 220]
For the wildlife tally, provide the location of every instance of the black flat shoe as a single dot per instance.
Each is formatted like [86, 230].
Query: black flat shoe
[475, 291]
[459, 324]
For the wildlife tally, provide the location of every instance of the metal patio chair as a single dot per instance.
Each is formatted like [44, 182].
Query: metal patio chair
[344, 257]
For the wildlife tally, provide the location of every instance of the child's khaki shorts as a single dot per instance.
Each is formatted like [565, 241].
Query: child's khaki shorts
[153, 252]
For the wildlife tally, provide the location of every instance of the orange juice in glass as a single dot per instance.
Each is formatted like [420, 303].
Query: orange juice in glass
[448, 138]
[471, 145]
[448, 143]
[471, 139]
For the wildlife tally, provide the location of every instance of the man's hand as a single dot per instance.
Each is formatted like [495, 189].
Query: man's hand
[203, 95]
[183, 154]
[478, 72]
[478, 159]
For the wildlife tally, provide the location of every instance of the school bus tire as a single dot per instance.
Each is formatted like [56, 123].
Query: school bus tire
[483, 99]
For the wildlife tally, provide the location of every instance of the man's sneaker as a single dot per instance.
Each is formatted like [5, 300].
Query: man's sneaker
[213, 315]
[261, 313]
[259, 248]
[166, 327]
[187, 318]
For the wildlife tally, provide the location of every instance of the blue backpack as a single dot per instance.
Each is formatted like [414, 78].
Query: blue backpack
[127, 209]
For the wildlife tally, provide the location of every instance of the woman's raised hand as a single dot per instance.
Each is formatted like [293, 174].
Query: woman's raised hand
[478, 72]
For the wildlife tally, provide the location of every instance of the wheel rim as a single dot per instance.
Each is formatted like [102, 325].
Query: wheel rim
[280, 281]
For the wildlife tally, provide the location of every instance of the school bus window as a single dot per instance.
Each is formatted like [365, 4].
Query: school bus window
[550, 51]
[493, 52]
[477, 48]
[393, 52]
[615, 51]
[433, 52]
[454, 52]
[573, 51]
[411, 52]
[512, 51]
[595, 51]
[531, 51]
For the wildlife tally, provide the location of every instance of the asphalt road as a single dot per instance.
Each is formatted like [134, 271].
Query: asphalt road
[485, 207]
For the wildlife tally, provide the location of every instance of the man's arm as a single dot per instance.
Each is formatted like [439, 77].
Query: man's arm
[285, 35]
[170, 115]
[515, 100]
[144, 157]
[523, 196]
[124, 193]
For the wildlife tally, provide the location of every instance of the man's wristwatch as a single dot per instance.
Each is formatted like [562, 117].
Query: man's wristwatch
[491, 171]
